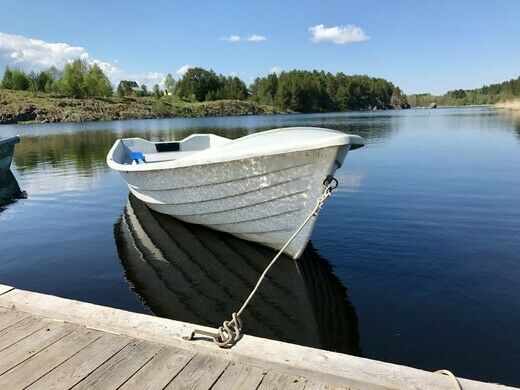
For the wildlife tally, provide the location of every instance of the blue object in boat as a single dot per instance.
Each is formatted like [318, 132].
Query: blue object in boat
[136, 156]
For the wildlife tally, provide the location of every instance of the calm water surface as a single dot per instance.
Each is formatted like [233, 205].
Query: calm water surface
[415, 259]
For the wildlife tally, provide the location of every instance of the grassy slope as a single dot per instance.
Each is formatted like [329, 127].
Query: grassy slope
[22, 106]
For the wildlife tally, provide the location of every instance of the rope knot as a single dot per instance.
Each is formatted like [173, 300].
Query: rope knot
[230, 332]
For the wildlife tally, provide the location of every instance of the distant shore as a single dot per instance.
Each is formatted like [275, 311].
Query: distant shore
[33, 107]
[23, 107]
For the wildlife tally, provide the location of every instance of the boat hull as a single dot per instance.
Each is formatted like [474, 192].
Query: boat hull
[262, 199]
[6, 152]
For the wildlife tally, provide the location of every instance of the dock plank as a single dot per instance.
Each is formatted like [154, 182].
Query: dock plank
[82, 364]
[160, 370]
[200, 373]
[286, 365]
[240, 376]
[5, 289]
[279, 380]
[120, 367]
[32, 344]
[20, 330]
[10, 317]
[38, 365]
[324, 386]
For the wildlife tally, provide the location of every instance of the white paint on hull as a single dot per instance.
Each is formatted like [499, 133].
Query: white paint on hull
[267, 215]
[262, 198]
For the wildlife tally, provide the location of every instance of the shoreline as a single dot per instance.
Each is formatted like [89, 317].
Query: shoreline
[25, 107]
[21, 107]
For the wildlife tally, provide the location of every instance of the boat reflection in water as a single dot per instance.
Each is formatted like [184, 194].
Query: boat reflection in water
[193, 274]
[9, 189]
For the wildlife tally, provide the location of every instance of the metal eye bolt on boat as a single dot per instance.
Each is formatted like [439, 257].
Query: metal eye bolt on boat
[260, 187]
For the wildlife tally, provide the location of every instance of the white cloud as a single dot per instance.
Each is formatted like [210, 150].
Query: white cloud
[147, 78]
[250, 38]
[337, 34]
[256, 38]
[109, 69]
[275, 69]
[36, 54]
[231, 38]
[183, 69]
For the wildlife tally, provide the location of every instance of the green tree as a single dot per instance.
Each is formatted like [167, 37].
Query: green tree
[96, 83]
[20, 80]
[196, 83]
[15, 79]
[315, 91]
[263, 90]
[169, 83]
[72, 82]
[232, 88]
[157, 90]
[53, 76]
[7, 79]
[39, 81]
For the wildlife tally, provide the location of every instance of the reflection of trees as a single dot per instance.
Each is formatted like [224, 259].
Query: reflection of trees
[86, 150]
[194, 274]
[511, 120]
[516, 117]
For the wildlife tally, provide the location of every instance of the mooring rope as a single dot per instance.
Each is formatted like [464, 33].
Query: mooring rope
[231, 331]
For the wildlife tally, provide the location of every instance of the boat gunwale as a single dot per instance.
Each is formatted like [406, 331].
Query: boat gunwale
[341, 139]
[9, 141]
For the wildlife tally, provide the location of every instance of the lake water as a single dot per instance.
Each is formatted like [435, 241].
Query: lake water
[414, 260]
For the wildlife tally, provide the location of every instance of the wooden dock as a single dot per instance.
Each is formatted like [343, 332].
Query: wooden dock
[48, 342]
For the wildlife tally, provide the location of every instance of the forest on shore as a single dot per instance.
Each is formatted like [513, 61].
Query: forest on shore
[292, 91]
[82, 92]
[487, 94]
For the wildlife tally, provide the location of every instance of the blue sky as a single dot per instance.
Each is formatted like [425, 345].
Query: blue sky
[421, 46]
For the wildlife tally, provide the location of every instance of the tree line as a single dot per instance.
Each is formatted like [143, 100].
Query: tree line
[488, 94]
[78, 79]
[299, 91]
[315, 91]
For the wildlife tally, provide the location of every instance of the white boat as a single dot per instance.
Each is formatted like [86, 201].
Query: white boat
[260, 187]
[6, 151]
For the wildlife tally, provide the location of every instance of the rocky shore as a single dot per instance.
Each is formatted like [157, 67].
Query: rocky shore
[23, 107]
[20, 106]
